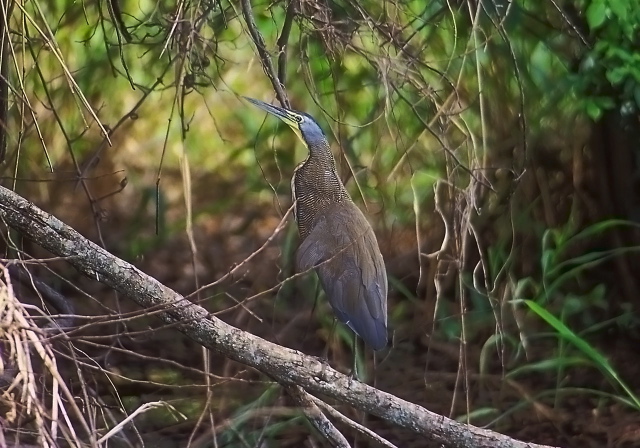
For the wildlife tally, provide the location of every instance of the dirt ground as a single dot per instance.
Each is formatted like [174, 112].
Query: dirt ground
[572, 408]
[575, 407]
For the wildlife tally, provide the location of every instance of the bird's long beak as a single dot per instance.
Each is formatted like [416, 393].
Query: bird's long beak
[279, 112]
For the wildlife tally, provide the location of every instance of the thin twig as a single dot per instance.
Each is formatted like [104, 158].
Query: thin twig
[265, 58]
[283, 40]
[5, 12]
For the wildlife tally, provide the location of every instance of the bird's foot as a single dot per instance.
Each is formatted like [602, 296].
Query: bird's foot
[353, 375]
[323, 360]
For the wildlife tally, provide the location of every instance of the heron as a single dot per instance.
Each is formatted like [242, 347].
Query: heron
[337, 240]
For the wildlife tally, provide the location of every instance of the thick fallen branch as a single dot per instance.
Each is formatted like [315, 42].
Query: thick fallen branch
[287, 367]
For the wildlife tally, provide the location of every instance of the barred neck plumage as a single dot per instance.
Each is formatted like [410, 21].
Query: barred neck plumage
[315, 185]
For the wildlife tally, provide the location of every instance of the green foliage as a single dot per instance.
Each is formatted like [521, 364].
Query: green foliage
[563, 297]
[609, 74]
[558, 271]
[586, 349]
[562, 270]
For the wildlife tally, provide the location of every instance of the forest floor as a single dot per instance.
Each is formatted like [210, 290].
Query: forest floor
[502, 389]
[573, 406]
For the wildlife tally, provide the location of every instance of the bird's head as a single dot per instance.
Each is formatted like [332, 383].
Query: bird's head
[302, 124]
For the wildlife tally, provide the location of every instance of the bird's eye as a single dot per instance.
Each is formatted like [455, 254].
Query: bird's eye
[299, 119]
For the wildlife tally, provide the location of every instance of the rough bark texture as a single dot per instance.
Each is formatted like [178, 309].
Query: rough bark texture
[287, 367]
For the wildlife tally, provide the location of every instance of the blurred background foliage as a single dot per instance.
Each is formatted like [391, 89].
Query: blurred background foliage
[493, 145]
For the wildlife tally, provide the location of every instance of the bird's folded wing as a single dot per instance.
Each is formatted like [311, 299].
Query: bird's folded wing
[314, 249]
[343, 248]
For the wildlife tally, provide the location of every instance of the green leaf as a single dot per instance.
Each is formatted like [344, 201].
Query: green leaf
[600, 361]
[619, 9]
[596, 13]
[549, 365]
[601, 227]
[605, 102]
[594, 111]
[616, 75]
[478, 414]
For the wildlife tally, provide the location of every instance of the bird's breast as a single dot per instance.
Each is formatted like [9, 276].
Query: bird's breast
[314, 191]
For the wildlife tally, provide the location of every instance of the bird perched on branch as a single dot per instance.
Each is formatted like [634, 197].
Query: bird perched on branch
[336, 238]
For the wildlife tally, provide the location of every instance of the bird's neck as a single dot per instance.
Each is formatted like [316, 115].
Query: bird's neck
[315, 186]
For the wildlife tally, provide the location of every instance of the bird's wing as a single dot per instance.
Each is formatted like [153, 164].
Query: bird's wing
[366, 256]
[343, 247]
[352, 303]
[314, 249]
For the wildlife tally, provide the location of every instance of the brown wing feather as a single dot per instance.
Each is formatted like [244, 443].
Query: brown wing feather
[351, 270]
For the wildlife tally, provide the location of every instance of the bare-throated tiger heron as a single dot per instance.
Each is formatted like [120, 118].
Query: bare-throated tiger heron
[336, 238]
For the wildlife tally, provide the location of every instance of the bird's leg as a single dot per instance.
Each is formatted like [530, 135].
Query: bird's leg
[354, 371]
[313, 310]
[325, 354]
[355, 355]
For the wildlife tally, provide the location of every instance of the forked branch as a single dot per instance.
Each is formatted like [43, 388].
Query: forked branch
[286, 366]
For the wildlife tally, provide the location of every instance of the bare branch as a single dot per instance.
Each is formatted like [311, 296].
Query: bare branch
[265, 58]
[317, 418]
[61, 303]
[357, 426]
[286, 366]
[283, 40]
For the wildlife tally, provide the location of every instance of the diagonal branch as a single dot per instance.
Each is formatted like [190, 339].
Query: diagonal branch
[317, 418]
[283, 41]
[366, 432]
[265, 58]
[286, 366]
